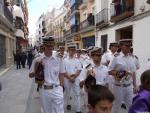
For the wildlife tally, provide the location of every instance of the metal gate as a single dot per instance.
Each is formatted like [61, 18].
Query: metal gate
[2, 51]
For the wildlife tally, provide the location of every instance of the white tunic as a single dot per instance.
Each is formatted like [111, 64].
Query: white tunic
[124, 63]
[53, 66]
[101, 74]
[72, 65]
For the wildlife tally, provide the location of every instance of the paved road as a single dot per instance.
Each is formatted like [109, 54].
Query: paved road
[19, 94]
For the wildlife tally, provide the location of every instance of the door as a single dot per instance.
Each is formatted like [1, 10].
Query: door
[104, 42]
[2, 51]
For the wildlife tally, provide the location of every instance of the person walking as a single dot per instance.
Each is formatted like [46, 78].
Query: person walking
[30, 58]
[18, 59]
[51, 91]
[23, 59]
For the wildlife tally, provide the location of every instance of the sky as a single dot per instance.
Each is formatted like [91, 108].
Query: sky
[37, 7]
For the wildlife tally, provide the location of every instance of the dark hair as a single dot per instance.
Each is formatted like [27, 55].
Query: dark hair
[98, 93]
[145, 80]
[90, 81]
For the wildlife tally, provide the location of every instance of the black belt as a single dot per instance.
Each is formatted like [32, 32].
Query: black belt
[123, 85]
[47, 87]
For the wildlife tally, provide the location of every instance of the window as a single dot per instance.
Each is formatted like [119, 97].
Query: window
[72, 2]
[73, 20]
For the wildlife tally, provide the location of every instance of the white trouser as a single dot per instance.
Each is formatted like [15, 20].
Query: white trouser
[75, 89]
[110, 83]
[122, 94]
[52, 100]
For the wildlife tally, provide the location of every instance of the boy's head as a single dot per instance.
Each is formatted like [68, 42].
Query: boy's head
[100, 99]
[145, 80]
[89, 82]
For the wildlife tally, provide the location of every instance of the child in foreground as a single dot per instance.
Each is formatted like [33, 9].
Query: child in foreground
[100, 99]
[141, 102]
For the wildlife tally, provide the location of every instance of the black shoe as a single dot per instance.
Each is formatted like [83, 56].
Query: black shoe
[123, 106]
[79, 112]
[68, 107]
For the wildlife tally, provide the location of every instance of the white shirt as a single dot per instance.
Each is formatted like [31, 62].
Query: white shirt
[37, 57]
[72, 65]
[107, 57]
[53, 66]
[101, 74]
[124, 63]
[148, 64]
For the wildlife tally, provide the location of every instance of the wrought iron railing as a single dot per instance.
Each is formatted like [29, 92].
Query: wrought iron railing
[8, 14]
[102, 16]
[122, 7]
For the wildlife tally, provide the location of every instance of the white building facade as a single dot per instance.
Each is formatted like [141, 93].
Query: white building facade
[40, 24]
[130, 20]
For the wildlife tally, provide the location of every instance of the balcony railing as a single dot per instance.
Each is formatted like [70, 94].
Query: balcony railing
[102, 18]
[74, 7]
[83, 4]
[120, 11]
[67, 32]
[86, 23]
[8, 14]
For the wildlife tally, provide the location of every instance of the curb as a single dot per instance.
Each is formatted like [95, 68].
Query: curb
[5, 70]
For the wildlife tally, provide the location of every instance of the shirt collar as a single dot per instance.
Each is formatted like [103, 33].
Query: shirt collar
[121, 53]
[52, 57]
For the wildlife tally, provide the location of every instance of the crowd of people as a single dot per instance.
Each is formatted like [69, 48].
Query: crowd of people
[21, 58]
[107, 79]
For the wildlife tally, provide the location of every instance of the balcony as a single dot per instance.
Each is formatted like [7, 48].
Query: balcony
[121, 11]
[83, 4]
[87, 24]
[19, 33]
[8, 14]
[67, 32]
[75, 28]
[102, 18]
[18, 12]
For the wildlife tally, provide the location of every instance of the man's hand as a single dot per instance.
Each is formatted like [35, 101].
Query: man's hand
[91, 72]
[31, 75]
[134, 90]
[72, 79]
[81, 84]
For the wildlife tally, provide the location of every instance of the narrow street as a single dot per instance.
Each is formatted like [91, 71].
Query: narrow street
[18, 94]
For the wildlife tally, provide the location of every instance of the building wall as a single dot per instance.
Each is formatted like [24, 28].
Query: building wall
[141, 25]
[141, 42]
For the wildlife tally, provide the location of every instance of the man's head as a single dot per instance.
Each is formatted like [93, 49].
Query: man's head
[125, 45]
[41, 48]
[89, 82]
[113, 47]
[78, 51]
[83, 51]
[48, 44]
[100, 99]
[71, 50]
[62, 49]
[145, 80]
[96, 54]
